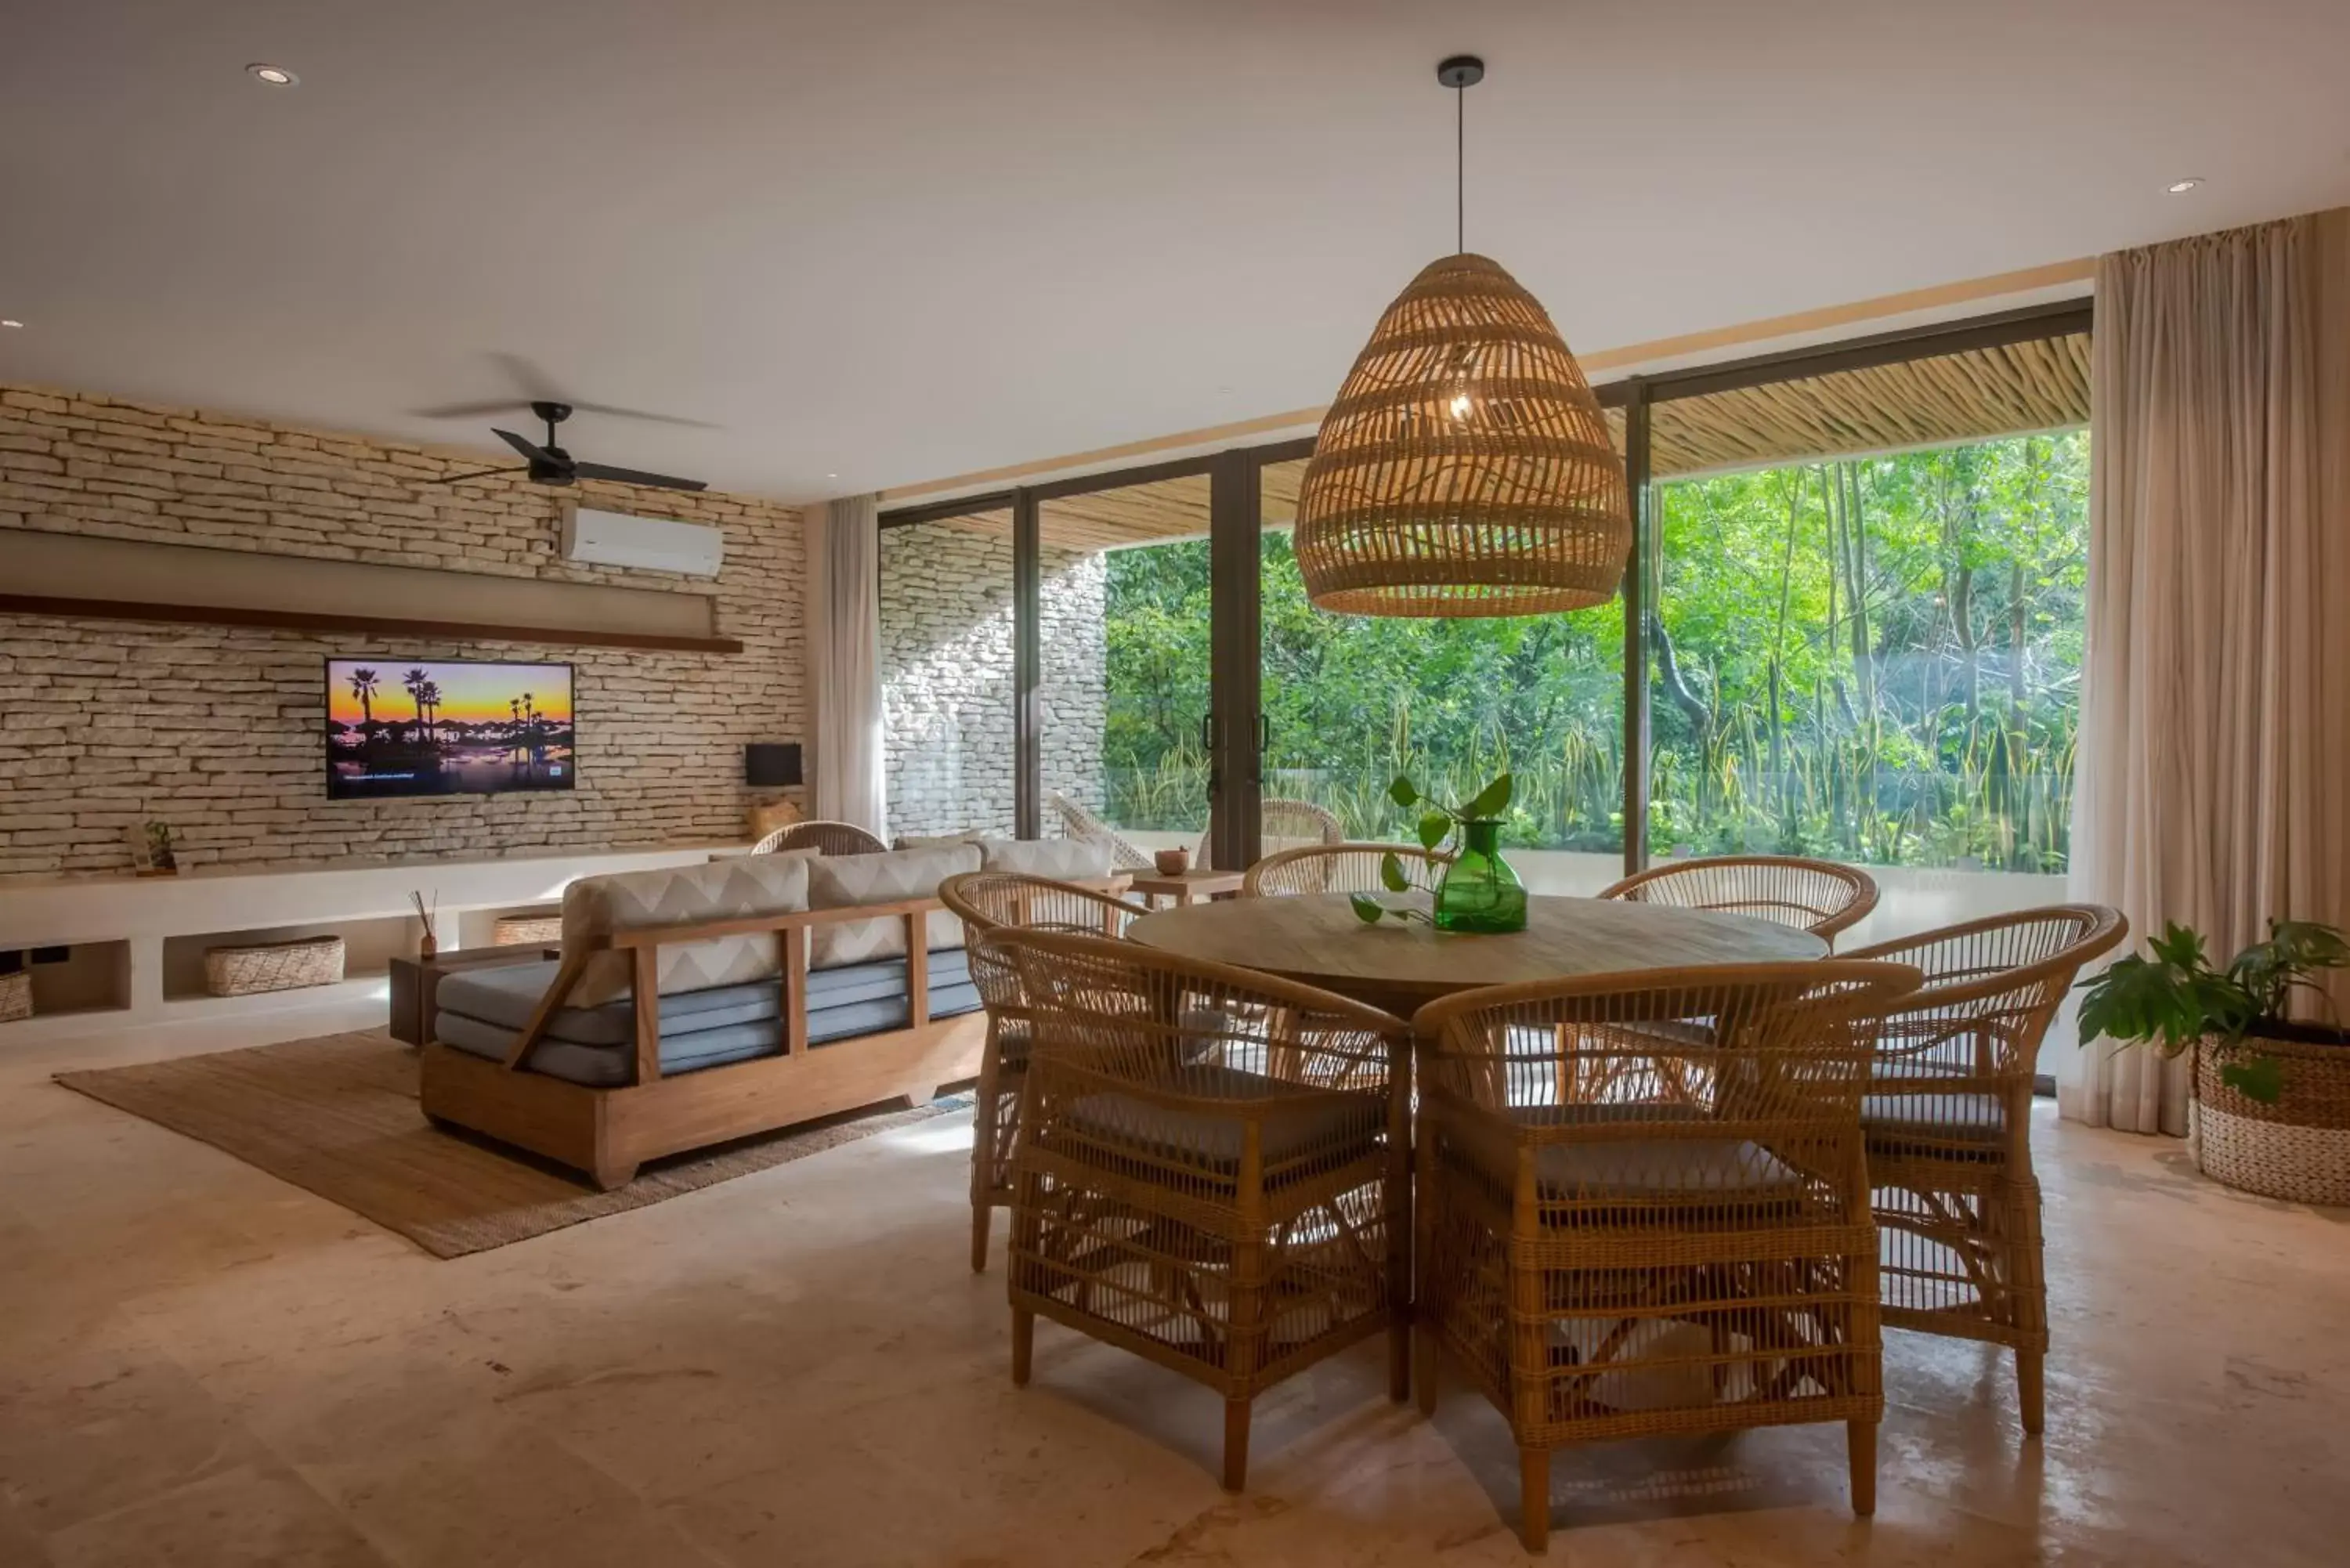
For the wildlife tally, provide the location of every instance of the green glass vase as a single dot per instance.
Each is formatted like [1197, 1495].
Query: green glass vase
[1480, 892]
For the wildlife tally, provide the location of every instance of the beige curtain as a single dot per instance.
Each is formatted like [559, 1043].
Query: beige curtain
[2214, 763]
[844, 621]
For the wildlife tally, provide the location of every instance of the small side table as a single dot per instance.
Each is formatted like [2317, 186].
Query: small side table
[1185, 887]
[415, 979]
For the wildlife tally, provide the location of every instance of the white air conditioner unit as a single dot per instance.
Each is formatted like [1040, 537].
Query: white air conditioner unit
[615, 539]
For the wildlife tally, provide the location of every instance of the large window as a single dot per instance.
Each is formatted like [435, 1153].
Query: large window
[1853, 628]
[1873, 656]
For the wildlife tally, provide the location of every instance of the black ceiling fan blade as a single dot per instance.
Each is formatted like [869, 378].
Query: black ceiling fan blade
[647, 416]
[478, 474]
[635, 476]
[530, 449]
[471, 411]
[517, 405]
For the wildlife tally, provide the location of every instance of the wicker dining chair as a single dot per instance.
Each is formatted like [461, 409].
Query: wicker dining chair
[1212, 1170]
[1284, 823]
[1643, 1206]
[824, 837]
[1339, 868]
[1949, 1127]
[986, 901]
[1816, 896]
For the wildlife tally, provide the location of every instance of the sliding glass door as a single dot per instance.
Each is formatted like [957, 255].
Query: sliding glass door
[949, 686]
[1123, 690]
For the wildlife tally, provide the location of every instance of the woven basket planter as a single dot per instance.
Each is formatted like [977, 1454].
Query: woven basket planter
[272, 966]
[514, 930]
[2298, 1149]
[15, 996]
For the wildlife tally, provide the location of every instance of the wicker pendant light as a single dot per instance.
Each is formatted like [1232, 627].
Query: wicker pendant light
[1466, 468]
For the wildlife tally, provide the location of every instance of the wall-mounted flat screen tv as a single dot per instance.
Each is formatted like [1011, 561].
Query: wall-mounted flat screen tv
[446, 727]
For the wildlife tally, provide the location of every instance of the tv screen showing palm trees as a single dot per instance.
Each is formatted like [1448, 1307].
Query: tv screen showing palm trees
[449, 727]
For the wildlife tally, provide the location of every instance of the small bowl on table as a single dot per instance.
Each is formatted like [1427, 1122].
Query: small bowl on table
[1173, 862]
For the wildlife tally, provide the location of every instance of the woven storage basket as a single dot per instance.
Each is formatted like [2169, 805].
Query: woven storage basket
[15, 996]
[272, 966]
[2298, 1149]
[514, 930]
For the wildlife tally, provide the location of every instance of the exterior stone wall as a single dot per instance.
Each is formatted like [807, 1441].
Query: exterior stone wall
[219, 731]
[947, 676]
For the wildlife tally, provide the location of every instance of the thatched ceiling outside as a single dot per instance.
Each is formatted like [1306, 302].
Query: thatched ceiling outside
[1980, 394]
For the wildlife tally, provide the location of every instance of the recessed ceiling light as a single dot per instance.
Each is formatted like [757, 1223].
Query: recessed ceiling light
[2180, 187]
[276, 76]
[832, 476]
[11, 325]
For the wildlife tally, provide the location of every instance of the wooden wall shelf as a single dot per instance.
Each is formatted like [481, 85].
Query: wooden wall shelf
[363, 625]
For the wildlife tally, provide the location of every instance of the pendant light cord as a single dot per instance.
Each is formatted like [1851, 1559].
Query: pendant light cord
[1460, 170]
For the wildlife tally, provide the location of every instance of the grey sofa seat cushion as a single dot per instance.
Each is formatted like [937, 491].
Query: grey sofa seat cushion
[595, 1045]
[1952, 1117]
[844, 1022]
[1338, 1127]
[506, 996]
[1647, 1168]
[606, 1066]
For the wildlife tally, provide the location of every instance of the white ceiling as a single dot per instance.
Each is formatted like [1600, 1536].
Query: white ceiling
[892, 240]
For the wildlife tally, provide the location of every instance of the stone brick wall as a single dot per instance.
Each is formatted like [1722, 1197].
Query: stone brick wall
[219, 731]
[947, 676]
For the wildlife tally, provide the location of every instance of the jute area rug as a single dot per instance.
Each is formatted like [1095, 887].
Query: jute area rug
[337, 1116]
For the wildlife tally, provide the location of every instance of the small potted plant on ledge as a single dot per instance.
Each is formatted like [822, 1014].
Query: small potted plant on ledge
[1478, 892]
[2271, 1094]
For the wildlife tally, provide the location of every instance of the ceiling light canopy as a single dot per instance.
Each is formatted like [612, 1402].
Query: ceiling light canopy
[2180, 187]
[276, 76]
[1466, 468]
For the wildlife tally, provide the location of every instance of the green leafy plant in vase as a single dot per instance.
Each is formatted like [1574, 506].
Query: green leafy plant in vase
[2174, 999]
[1478, 892]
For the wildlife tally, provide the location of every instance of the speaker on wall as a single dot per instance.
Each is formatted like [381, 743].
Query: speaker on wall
[770, 764]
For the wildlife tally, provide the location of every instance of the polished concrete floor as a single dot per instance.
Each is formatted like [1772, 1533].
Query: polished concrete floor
[200, 1365]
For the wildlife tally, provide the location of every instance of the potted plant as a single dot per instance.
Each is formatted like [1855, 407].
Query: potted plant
[2271, 1094]
[1478, 892]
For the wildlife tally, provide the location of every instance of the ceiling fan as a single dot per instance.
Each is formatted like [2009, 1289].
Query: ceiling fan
[550, 465]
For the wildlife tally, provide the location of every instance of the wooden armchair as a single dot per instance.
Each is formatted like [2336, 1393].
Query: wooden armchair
[1643, 1206]
[992, 900]
[1817, 896]
[1340, 868]
[1947, 1122]
[1212, 1170]
[823, 836]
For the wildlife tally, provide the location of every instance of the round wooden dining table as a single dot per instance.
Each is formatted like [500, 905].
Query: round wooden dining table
[1317, 939]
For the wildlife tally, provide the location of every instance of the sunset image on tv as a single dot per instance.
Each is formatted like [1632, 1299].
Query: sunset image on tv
[448, 727]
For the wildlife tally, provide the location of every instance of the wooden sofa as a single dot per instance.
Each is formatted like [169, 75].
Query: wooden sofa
[698, 1004]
